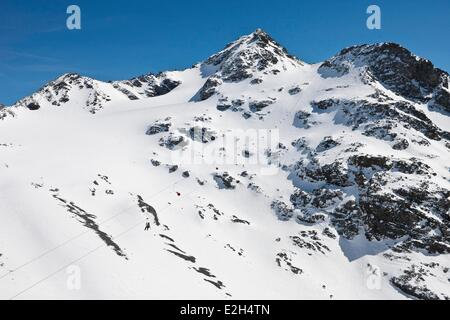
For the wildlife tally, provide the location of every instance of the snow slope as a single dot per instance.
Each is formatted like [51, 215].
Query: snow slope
[335, 205]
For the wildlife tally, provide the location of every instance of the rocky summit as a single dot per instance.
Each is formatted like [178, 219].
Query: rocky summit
[335, 185]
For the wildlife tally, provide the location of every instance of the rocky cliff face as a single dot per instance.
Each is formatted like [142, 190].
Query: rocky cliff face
[395, 68]
[148, 85]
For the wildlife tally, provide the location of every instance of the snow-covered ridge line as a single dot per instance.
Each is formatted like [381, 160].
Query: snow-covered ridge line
[253, 56]
[93, 94]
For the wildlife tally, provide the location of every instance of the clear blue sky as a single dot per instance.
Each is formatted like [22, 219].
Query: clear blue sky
[121, 39]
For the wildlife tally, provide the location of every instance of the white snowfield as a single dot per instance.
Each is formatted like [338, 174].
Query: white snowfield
[80, 178]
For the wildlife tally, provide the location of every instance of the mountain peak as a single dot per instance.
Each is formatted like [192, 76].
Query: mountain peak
[259, 30]
[69, 75]
[259, 35]
[251, 55]
[396, 68]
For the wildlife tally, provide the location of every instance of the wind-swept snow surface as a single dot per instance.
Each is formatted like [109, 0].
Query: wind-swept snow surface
[335, 184]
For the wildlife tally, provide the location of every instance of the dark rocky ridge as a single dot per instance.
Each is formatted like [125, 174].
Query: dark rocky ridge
[148, 85]
[381, 119]
[57, 92]
[397, 69]
[382, 209]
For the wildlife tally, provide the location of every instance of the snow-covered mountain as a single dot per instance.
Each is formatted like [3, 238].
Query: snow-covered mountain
[260, 175]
